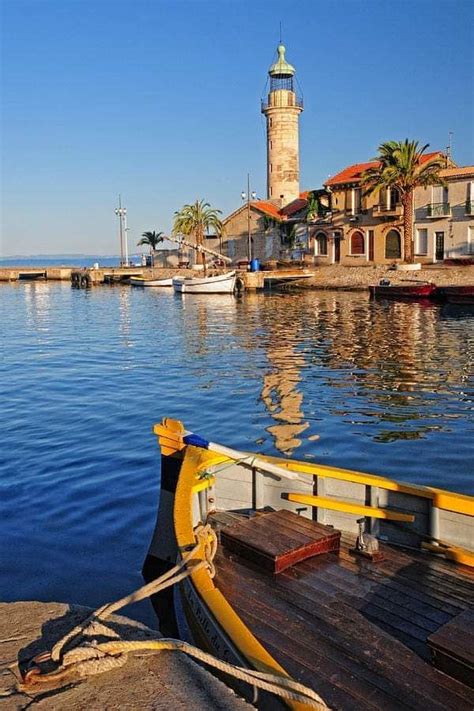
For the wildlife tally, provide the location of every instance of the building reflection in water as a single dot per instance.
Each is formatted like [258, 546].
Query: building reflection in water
[384, 363]
[279, 331]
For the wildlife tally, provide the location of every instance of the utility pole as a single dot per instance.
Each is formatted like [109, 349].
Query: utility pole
[248, 196]
[121, 213]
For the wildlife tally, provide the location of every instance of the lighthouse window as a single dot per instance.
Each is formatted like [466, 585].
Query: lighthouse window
[271, 168]
[271, 123]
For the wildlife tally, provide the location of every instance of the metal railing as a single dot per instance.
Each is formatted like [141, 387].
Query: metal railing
[439, 209]
[383, 209]
[469, 207]
[278, 104]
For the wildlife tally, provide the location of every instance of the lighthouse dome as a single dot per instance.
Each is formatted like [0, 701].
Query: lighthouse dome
[281, 68]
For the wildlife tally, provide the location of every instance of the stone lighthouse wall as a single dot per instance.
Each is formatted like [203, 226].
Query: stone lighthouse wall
[283, 171]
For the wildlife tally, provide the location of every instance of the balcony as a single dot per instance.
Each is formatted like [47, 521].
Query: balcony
[438, 209]
[387, 211]
[469, 207]
[276, 101]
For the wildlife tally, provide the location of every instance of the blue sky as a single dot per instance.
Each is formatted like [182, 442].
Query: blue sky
[160, 101]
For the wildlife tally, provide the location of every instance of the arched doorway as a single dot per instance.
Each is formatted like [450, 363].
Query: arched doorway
[357, 243]
[393, 245]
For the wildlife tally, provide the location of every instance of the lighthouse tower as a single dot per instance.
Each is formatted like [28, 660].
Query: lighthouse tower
[282, 108]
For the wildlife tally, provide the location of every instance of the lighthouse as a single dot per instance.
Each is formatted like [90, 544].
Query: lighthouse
[282, 108]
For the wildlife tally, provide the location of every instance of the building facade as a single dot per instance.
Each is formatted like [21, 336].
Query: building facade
[444, 217]
[252, 232]
[364, 228]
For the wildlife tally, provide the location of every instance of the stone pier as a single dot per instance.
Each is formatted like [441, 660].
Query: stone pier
[167, 680]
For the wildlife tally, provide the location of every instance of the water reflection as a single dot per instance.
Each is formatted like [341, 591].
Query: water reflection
[37, 304]
[385, 363]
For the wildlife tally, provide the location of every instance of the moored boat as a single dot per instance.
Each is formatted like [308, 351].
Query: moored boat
[301, 589]
[419, 290]
[142, 281]
[460, 294]
[220, 284]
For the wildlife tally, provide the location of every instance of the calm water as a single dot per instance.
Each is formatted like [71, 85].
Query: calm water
[382, 387]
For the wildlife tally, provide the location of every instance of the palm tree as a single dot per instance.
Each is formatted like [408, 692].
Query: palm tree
[152, 239]
[403, 166]
[194, 220]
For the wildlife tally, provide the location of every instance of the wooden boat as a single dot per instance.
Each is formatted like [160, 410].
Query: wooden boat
[221, 284]
[142, 281]
[418, 290]
[461, 294]
[355, 617]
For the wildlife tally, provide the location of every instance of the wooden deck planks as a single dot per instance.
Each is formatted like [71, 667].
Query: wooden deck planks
[353, 615]
[349, 646]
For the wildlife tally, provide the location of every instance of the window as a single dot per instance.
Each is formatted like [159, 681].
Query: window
[439, 194]
[357, 243]
[348, 201]
[470, 199]
[321, 244]
[231, 248]
[394, 197]
[470, 240]
[421, 246]
[356, 201]
[393, 245]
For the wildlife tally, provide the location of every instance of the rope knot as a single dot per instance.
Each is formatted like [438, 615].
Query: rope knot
[207, 538]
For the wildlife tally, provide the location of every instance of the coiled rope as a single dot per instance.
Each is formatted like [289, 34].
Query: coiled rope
[90, 657]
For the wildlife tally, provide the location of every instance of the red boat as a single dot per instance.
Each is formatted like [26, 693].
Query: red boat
[456, 294]
[414, 290]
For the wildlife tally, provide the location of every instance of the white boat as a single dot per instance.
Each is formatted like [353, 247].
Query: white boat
[142, 281]
[221, 284]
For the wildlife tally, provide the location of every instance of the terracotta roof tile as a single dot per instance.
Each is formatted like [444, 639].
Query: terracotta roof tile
[294, 206]
[464, 171]
[267, 207]
[353, 173]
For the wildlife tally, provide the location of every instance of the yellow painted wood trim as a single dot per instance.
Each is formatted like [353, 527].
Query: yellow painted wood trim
[455, 553]
[203, 484]
[442, 499]
[196, 459]
[170, 436]
[347, 507]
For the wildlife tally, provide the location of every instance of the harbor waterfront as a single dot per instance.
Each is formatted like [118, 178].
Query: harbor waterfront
[326, 376]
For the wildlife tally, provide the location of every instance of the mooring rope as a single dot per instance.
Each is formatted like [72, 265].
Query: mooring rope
[91, 657]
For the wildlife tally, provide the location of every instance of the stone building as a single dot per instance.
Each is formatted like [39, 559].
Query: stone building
[282, 108]
[444, 217]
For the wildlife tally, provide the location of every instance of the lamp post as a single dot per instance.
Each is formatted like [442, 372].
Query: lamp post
[248, 196]
[121, 213]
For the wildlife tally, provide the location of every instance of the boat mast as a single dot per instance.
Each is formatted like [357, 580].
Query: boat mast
[199, 248]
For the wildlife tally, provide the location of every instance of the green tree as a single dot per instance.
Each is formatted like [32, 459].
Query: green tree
[195, 220]
[403, 166]
[151, 239]
[314, 207]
